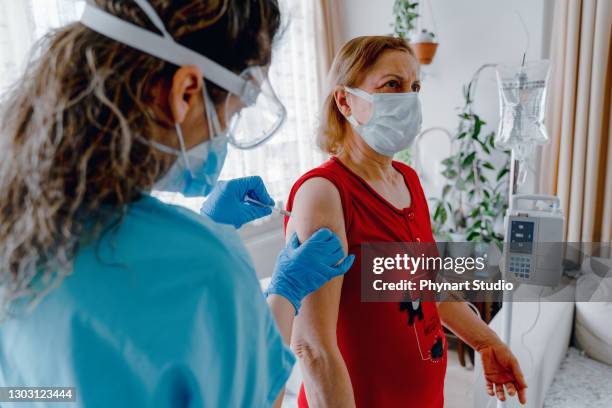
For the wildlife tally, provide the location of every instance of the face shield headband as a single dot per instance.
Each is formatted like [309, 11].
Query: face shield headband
[259, 114]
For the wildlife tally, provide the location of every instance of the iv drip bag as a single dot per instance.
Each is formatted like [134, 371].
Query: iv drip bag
[522, 94]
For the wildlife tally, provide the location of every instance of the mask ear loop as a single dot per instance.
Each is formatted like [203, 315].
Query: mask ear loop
[152, 15]
[360, 94]
[212, 118]
[214, 128]
[179, 135]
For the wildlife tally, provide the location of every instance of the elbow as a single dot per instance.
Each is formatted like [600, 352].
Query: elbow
[326, 379]
[314, 356]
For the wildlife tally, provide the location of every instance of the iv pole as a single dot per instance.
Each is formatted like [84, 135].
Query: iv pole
[506, 330]
[515, 171]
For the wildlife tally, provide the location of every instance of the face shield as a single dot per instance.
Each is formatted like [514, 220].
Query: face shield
[253, 112]
[252, 122]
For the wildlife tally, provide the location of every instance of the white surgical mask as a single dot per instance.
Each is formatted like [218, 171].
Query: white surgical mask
[395, 121]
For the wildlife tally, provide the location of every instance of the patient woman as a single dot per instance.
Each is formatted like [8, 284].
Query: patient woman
[377, 354]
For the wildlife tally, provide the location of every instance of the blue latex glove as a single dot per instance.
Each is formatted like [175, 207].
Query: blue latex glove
[226, 205]
[302, 269]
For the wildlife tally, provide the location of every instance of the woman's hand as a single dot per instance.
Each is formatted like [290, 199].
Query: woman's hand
[226, 203]
[499, 364]
[302, 269]
[501, 369]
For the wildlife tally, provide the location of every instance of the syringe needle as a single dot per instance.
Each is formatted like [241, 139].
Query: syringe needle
[272, 207]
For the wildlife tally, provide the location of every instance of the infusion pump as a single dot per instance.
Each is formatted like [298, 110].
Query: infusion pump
[533, 247]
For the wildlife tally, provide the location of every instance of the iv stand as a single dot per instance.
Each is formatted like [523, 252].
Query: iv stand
[506, 329]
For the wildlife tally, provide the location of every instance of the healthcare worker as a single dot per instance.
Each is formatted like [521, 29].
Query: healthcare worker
[106, 289]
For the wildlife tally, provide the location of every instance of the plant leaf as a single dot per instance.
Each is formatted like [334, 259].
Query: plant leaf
[468, 160]
[449, 174]
[502, 173]
[446, 189]
[472, 236]
[448, 161]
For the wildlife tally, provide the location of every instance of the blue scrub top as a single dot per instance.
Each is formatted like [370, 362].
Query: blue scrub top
[163, 311]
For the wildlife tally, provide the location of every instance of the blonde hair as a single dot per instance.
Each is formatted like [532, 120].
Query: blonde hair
[348, 68]
[69, 159]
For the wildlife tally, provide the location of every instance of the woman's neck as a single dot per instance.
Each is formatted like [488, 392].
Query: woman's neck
[363, 160]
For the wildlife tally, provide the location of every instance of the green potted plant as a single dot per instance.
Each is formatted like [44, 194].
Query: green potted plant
[475, 195]
[424, 42]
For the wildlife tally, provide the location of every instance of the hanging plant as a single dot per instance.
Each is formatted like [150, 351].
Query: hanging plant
[405, 13]
[425, 46]
[406, 16]
[475, 195]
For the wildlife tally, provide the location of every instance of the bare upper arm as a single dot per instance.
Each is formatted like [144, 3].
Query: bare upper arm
[317, 204]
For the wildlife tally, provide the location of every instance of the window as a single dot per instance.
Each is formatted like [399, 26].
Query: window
[293, 74]
[22, 23]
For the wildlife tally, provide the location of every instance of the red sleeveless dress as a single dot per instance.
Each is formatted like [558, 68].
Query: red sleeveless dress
[394, 358]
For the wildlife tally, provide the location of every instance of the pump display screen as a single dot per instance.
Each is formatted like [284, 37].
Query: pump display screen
[521, 236]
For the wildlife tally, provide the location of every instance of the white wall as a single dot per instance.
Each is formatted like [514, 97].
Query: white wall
[470, 33]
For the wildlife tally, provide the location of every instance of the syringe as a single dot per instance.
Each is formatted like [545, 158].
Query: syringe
[272, 207]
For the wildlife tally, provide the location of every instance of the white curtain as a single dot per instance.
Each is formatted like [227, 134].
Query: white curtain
[577, 164]
[294, 74]
[22, 22]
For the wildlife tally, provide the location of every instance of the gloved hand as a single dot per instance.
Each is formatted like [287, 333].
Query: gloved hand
[226, 204]
[302, 269]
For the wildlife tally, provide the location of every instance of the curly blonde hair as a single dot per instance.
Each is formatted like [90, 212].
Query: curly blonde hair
[69, 160]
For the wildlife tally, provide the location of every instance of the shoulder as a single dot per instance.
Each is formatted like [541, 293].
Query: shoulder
[325, 194]
[405, 169]
[317, 194]
[317, 200]
[319, 189]
[174, 239]
[410, 174]
[177, 222]
[166, 262]
[317, 203]
[158, 245]
[329, 170]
